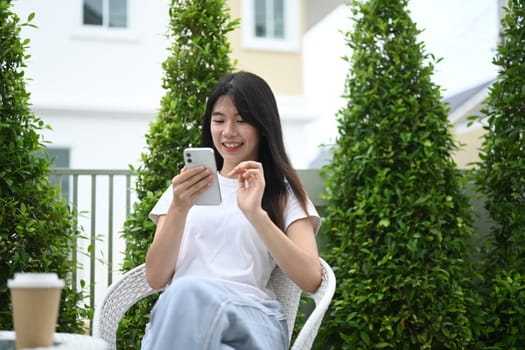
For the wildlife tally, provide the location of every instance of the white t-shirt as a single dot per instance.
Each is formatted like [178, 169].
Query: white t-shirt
[220, 243]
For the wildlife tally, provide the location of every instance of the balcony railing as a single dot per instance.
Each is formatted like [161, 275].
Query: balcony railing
[103, 199]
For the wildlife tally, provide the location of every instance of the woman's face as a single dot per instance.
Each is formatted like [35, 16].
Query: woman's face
[234, 139]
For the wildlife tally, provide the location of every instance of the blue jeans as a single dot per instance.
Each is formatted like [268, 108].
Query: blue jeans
[200, 314]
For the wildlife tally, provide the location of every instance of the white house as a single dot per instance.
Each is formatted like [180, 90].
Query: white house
[97, 86]
[95, 73]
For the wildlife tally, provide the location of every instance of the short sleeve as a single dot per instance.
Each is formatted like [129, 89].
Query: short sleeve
[294, 212]
[162, 205]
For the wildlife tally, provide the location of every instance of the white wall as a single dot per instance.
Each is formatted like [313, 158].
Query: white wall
[464, 34]
[97, 140]
[88, 68]
[324, 76]
[98, 89]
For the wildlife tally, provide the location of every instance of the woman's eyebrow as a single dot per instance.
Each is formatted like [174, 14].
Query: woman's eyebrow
[221, 114]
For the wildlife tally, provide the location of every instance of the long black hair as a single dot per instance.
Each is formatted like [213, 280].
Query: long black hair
[256, 104]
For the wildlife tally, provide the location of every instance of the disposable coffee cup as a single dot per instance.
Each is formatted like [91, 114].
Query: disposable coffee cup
[35, 298]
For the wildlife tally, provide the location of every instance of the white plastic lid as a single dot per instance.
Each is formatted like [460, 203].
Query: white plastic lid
[35, 280]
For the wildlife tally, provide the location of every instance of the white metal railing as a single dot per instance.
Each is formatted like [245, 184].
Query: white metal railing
[102, 200]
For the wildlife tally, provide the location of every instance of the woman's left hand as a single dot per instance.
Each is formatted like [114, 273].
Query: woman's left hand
[250, 187]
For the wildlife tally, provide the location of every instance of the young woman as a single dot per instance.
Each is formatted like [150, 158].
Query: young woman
[218, 260]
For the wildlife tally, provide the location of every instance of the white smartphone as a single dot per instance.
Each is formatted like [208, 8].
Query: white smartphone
[205, 156]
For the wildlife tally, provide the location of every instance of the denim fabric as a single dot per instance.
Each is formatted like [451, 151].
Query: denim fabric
[200, 314]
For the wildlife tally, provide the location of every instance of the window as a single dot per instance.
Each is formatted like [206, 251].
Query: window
[106, 13]
[269, 19]
[60, 158]
[271, 24]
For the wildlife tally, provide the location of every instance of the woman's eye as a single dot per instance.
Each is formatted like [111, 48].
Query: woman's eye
[240, 121]
[218, 121]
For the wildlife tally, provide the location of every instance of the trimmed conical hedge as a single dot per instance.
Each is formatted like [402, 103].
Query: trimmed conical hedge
[501, 178]
[397, 223]
[199, 57]
[36, 226]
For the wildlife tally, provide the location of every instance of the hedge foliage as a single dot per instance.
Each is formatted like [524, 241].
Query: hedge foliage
[36, 225]
[199, 57]
[397, 223]
[500, 176]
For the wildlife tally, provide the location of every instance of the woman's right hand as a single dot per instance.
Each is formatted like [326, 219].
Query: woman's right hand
[188, 185]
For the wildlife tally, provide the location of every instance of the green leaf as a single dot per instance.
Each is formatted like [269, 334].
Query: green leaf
[384, 222]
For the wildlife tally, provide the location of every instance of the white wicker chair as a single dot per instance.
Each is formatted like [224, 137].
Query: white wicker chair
[132, 287]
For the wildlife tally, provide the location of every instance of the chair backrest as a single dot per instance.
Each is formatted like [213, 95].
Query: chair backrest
[119, 297]
[132, 287]
[322, 298]
[288, 294]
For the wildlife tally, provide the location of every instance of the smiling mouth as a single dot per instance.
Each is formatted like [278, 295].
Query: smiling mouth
[231, 146]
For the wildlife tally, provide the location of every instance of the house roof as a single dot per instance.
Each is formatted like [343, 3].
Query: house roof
[317, 10]
[460, 99]
[467, 103]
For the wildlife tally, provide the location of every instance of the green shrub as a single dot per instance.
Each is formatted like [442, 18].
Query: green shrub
[501, 178]
[505, 311]
[36, 225]
[199, 58]
[397, 223]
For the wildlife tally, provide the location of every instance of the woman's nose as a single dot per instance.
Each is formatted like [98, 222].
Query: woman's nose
[230, 129]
